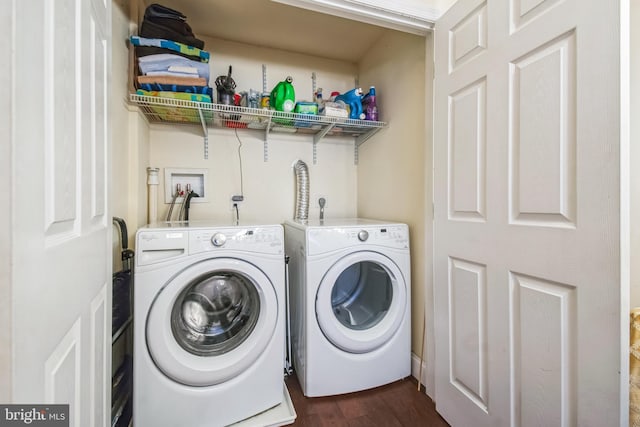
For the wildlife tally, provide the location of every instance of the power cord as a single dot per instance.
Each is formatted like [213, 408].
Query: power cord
[239, 198]
[240, 163]
[235, 206]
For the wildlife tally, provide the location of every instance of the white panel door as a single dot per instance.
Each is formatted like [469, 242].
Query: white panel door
[62, 227]
[527, 213]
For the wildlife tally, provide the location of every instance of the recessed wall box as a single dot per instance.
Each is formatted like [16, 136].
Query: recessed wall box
[196, 178]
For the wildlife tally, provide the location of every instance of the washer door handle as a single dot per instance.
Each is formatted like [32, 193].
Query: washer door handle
[218, 239]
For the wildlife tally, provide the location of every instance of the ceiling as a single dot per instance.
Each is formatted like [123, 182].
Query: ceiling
[270, 24]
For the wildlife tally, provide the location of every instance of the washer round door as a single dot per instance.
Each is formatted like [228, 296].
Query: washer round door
[361, 302]
[211, 321]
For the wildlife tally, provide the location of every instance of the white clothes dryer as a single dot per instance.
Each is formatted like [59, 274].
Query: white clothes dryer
[209, 329]
[350, 290]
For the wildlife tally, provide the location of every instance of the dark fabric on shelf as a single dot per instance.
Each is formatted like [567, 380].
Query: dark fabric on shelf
[159, 11]
[180, 34]
[151, 50]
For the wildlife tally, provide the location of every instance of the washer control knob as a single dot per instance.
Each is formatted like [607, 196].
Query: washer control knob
[219, 239]
[363, 235]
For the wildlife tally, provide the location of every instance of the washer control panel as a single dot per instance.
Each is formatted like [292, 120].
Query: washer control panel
[268, 240]
[219, 239]
[169, 244]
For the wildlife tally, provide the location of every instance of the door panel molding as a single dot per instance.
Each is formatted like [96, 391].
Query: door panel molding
[63, 371]
[543, 350]
[100, 345]
[542, 142]
[468, 329]
[467, 152]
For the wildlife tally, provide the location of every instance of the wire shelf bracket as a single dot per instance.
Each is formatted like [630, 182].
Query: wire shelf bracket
[205, 132]
[182, 112]
[365, 136]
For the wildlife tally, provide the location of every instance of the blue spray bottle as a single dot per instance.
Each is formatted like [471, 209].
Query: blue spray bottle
[353, 99]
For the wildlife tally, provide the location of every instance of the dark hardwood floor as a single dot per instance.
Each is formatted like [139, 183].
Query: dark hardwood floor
[396, 404]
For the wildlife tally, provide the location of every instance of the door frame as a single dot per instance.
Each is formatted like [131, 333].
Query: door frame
[625, 203]
[6, 215]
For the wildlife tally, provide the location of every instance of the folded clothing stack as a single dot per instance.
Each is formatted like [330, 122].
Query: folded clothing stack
[171, 59]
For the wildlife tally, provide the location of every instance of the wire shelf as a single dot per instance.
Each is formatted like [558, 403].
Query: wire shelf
[167, 110]
[208, 115]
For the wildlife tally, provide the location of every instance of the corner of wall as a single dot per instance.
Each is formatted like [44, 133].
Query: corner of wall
[392, 175]
[130, 130]
[428, 216]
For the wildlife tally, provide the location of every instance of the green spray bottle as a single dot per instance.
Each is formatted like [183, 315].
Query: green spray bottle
[283, 96]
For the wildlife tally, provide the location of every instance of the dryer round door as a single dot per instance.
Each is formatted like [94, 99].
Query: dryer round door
[211, 321]
[361, 302]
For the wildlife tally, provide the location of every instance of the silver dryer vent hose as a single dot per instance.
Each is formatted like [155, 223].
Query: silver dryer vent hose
[302, 193]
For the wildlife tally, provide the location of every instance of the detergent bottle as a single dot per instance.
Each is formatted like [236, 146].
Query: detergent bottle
[353, 99]
[283, 96]
[369, 103]
[319, 100]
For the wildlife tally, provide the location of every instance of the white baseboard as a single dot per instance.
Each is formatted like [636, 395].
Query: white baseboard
[415, 372]
[415, 368]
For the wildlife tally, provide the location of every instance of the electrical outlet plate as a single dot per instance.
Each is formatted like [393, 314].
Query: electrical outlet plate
[197, 178]
[231, 202]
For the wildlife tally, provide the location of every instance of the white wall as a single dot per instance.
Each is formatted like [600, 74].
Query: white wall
[130, 132]
[268, 186]
[120, 141]
[139, 159]
[391, 172]
[6, 44]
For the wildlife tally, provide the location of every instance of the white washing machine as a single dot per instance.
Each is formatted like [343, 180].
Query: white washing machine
[350, 288]
[209, 329]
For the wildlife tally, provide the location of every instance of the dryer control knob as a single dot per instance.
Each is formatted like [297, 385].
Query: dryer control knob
[218, 239]
[363, 235]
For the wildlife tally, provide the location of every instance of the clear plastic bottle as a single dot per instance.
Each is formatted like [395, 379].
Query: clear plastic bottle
[318, 99]
[370, 107]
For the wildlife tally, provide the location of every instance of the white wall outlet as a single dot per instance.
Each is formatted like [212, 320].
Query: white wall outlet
[196, 178]
[234, 200]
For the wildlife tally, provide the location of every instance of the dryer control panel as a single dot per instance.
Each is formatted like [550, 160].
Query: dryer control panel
[327, 239]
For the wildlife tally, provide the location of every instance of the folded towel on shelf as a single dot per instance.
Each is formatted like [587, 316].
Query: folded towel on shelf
[162, 62]
[162, 87]
[180, 48]
[183, 70]
[150, 50]
[171, 74]
[169, 80]
[176, 95]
